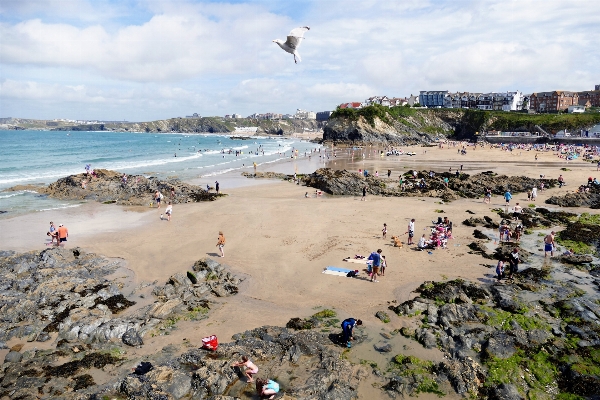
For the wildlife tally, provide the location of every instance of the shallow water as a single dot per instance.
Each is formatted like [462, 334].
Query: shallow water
[41, 157]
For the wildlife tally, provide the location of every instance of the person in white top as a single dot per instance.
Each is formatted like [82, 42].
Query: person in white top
[533, 193]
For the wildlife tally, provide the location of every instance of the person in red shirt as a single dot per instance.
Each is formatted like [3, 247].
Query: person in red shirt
[63, 233]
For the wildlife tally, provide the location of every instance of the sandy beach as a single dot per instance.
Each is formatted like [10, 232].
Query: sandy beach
[281, 241]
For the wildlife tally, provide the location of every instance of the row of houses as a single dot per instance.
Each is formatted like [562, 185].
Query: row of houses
[554, 101]
[383, 101]
[503, 101]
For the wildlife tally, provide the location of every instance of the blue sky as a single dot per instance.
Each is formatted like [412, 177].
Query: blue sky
[146, 60]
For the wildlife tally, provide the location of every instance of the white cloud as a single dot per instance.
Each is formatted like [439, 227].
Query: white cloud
[173, 58]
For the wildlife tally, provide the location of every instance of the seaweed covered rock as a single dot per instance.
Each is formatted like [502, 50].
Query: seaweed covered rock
[108, 187]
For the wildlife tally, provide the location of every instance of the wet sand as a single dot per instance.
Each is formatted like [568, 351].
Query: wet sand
[281, 241]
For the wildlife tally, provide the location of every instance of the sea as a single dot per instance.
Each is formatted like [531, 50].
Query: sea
[32, 157]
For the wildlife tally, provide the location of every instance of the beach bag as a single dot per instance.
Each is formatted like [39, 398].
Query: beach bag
[210, 342]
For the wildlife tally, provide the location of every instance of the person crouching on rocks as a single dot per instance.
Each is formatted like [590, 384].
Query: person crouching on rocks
[251, 368]
[267, 388]
[348, 328]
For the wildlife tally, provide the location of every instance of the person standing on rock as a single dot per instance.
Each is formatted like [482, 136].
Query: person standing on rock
[549, 244]
[347, 330]
[513, 260]
[221, 243]
[63, 234]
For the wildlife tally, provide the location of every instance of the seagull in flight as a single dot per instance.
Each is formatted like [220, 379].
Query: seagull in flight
[293, 42]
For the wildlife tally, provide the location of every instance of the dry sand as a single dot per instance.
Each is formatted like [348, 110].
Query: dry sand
[282, 241]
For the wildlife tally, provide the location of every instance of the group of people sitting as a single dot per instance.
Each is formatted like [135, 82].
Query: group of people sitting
[440, 233]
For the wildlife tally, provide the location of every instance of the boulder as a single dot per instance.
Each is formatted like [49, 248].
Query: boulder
[132, 338]
[13, 357]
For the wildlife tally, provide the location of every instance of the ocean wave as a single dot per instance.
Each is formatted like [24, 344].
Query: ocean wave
[59, 207]
[17, 193]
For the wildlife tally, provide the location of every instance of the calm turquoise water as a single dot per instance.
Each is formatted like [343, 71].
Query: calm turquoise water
[31, 157]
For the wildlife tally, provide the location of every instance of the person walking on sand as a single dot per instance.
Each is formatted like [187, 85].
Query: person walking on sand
[507, 197]
[250, 368]
[549, 244]
[533, 193]
[347, 330]
[168, 211]
[364, 196]
[63, 234]
[53, 234]
[158, 198]
[221, 243]
[376, 258]
[411, 231]
[384, 230]
[217, 186]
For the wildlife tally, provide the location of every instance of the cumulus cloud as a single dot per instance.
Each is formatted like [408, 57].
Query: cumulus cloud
[214, 58]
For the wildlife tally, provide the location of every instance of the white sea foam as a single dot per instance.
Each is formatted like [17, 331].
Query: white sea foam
[60, 207]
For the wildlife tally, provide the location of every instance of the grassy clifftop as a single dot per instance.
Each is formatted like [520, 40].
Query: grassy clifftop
[467, 122]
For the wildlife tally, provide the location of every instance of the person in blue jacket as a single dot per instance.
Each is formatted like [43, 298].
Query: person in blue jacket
[347, 327]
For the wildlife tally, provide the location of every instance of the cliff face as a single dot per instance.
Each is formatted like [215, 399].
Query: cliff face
[415, 126]
[183, 125]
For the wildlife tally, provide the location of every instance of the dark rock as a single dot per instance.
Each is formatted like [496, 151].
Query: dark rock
[382, 316]
[192, 277]
[575, 259]
[480, 235]
[43, 337]
[383, 347]
[426, 338]
[500, 346]
[13, 357]
[132, 338]
[505, 391]
[452, 291]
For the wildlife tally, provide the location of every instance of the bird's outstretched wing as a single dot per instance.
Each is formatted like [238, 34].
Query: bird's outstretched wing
[295, 37]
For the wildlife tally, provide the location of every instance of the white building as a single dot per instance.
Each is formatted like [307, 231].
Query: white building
[576, 109]
[302, 114]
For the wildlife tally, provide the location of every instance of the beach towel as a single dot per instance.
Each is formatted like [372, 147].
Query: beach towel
[336, 271]
[361, 261]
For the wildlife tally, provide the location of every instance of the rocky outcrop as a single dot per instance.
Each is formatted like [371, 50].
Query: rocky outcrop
[342, 182]
[511, 340]
[65, 291]
[108, 187]
[590, 199]
[63, 295]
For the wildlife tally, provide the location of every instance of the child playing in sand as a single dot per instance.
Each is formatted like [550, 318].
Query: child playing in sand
[384, 230]
[251, 368]
[383, 265]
